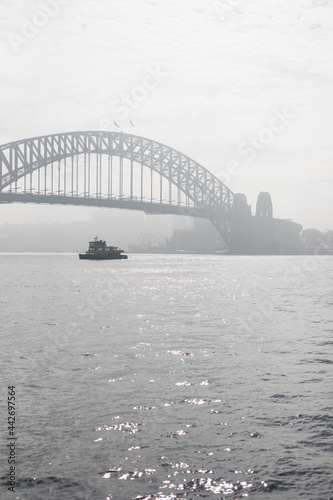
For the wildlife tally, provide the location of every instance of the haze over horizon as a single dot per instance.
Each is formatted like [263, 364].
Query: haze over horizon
[244, 88]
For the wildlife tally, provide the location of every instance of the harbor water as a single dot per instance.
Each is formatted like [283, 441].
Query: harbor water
[167, 377]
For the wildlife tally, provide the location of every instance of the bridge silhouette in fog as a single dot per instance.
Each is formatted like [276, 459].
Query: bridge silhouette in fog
[115, 170]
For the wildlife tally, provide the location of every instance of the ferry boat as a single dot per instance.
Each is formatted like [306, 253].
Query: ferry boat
[98, 250]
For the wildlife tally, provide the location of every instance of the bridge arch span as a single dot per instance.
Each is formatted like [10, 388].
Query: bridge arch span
[92, 168]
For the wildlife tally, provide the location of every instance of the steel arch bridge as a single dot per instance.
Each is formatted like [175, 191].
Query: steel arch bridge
[111, 169]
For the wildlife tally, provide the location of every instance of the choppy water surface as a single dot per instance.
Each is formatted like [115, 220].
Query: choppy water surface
[169, 377]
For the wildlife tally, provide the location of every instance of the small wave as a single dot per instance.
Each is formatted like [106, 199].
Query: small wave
[120, 473]
[129, 427]
[181, 353]
[46, 485]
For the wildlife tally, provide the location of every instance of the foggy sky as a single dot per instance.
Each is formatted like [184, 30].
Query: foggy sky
[244, 87]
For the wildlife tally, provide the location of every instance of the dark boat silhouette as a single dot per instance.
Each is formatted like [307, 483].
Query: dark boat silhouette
[98, 250]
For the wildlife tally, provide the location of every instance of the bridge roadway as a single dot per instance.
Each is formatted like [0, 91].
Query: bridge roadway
[126, 204]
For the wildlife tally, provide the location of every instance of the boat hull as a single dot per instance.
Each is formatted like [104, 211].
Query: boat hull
[101, 257]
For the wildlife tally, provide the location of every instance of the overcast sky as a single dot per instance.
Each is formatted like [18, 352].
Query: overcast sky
[244, 87]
